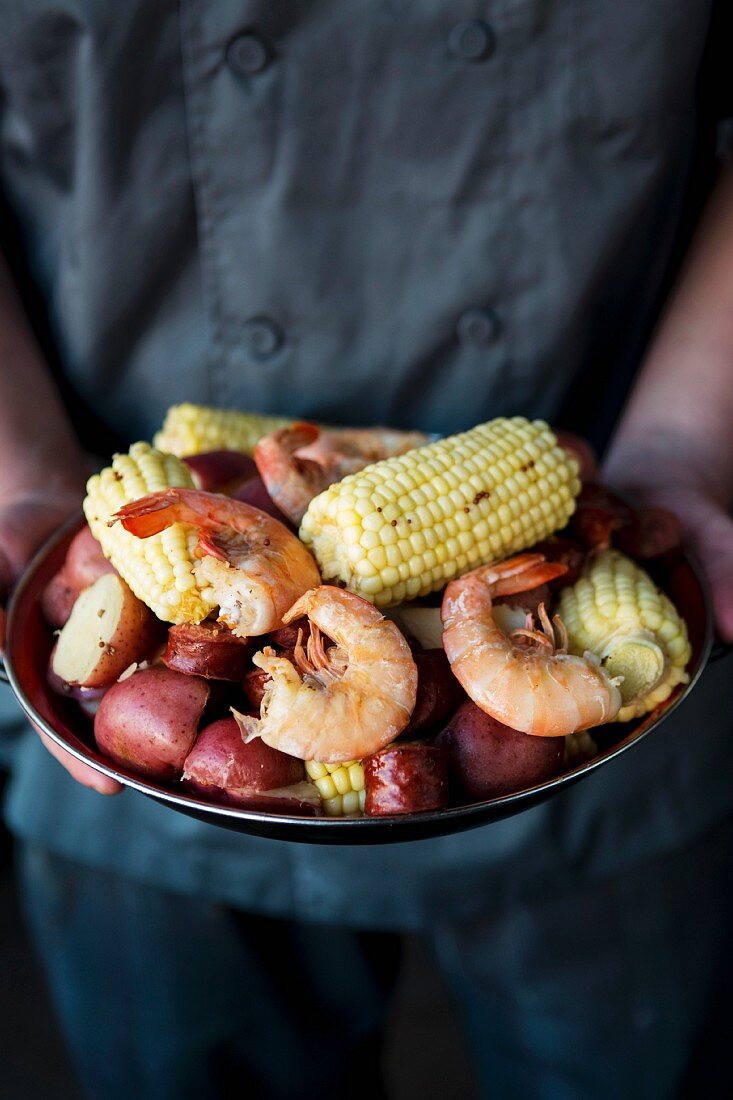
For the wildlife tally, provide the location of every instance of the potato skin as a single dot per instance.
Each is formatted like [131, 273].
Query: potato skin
[404, 779]
[207, 650]
[213, 471]
[221, 760]
[149, 721]
[487, 758]
[58, 599]
[253, 491]
[301, 801]
[85, 562]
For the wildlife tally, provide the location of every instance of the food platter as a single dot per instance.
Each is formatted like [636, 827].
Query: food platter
[29, 642]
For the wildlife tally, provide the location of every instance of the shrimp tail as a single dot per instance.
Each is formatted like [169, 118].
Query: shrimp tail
[151, 514]
[301, 607]
[520, 574]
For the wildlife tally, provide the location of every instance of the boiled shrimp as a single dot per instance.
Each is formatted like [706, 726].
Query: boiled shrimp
[338, 703]
[254, 566]
[298, 462]
[525, 678]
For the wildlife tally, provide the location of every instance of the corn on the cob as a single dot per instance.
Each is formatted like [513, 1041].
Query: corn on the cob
[157, 569]
[616, 611]
[341, 786]
[192, 429]
[406, 526]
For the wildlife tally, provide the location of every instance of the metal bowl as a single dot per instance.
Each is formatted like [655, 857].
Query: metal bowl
[28, 646]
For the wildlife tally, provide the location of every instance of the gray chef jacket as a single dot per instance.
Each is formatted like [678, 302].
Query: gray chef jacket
[423, 214]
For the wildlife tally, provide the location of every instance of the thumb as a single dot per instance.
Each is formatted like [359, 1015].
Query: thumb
[711, 534]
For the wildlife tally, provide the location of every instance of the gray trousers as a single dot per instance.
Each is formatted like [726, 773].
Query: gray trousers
[621, 989]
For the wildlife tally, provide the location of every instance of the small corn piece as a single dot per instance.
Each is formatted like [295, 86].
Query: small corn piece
[579, 749]
[341, 786]
[404, 527]
[193, 429]
[616, 611]
[157, 569]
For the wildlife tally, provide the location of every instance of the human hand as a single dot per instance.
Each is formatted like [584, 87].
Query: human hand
[674, 473]
[27, 517]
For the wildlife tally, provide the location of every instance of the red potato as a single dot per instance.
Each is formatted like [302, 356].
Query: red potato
[207, 650]
[84, 564]
[252, 776]
[59, 597]
[405, 779]
[149, 721]
[214, 471]
[253, 491]
[220, 759]
[297, 800]
[108, 630]
[488, 759]
[437, 691]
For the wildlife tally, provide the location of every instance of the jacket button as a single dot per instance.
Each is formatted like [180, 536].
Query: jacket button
[472, 39]
[248, 54]
[262, 337]
[478, 327]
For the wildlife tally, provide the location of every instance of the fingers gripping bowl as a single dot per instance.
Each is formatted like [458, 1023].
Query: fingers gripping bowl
[433, 763]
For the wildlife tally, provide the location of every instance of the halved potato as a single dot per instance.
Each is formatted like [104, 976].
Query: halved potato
[107, 631]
